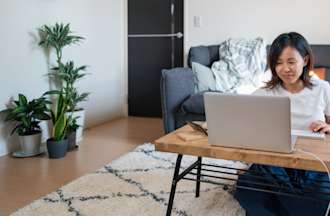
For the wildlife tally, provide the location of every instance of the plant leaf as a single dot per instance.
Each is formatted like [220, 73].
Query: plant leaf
[59, 127]
[52, 92]
[53, 117]
[16, 128]
[41, 116]
[22, 100]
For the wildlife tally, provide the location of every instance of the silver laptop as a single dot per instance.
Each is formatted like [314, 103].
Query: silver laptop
[249, 122]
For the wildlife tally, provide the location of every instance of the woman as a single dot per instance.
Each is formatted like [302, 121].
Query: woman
[290, 60]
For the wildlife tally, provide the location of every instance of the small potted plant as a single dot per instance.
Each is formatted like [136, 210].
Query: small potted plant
[27, 116]
[69, 75]
[57, 145]
[71, 132]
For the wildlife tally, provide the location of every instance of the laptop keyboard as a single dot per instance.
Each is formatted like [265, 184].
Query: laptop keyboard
[307, 134]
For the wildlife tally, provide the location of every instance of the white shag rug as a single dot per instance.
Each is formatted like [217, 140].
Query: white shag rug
[138, 183]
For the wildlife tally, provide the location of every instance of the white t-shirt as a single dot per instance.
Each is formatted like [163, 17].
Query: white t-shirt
[308, 105]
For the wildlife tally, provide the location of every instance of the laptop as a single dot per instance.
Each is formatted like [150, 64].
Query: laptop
[250, 122]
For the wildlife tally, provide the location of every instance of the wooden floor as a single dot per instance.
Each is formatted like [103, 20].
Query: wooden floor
[24, 180]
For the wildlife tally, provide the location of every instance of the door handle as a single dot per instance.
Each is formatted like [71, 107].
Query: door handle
[178, 35]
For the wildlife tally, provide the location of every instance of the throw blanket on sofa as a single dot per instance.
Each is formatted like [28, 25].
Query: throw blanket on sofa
[242, 62]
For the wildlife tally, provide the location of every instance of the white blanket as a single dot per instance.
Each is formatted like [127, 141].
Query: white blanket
[242, 62]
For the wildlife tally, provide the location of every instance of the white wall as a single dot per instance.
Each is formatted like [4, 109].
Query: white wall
[221, 19]
[24, 65]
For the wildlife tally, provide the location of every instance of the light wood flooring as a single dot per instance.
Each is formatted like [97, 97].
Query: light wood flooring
[24, 180]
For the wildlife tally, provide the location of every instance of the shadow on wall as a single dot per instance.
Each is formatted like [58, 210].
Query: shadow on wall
[8, 142]
[53, 81]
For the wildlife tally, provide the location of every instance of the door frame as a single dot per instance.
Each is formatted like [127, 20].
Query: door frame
[125, 48]
[185, 30]
[125, 58]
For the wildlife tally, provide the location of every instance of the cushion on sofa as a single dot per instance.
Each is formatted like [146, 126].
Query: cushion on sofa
[199, 54]
[204, 55]
[194, 104]
[204, 79]
[182, 118]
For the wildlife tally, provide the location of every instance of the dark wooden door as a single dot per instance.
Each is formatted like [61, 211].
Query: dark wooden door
[155, 42]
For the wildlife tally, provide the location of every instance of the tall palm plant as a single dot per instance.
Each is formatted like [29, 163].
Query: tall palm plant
[69, 75]
[57, 37]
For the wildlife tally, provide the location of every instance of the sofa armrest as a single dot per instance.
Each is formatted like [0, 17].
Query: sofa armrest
[176, 85]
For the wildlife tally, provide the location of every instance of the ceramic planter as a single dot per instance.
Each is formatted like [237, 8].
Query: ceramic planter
[80, 122]
[46, 130]
[57, 149]
[30, 144]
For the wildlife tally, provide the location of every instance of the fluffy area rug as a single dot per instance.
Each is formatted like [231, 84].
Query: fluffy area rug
[137, 183]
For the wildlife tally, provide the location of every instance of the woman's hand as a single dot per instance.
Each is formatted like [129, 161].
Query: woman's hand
[320, 126]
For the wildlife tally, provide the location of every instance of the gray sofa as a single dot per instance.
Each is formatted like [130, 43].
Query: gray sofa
[179, 103]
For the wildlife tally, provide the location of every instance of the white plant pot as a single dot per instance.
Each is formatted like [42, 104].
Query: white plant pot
[46, 130]
[30, 144]
[80, 122]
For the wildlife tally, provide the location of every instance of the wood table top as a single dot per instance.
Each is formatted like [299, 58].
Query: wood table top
[187, 141]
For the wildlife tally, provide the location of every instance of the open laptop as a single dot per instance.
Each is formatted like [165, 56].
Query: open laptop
[250, 122]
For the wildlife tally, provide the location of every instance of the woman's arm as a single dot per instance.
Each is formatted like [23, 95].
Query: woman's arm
[320, 126]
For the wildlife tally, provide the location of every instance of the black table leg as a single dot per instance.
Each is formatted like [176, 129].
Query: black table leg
[198, 183]
[174, 182]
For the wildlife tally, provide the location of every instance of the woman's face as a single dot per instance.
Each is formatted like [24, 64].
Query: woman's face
[289, 65]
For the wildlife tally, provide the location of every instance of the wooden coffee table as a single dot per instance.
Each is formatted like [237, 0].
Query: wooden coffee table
[186, 141]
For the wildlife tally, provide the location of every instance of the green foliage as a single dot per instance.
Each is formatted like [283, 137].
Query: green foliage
[27, 114]
[59, 119]
[74, 98]
[69, 74]
[72, 123]
[57, 37]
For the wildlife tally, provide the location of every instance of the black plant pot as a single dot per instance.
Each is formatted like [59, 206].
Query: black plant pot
[57, 149]
[72, 140]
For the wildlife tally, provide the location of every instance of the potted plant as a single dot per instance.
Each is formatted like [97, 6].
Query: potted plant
[69, 75]
[27, 116]
[57, 145]
[71, 132]
[57, 37]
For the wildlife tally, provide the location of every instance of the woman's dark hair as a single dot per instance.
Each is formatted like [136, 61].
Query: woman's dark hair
[294, 40]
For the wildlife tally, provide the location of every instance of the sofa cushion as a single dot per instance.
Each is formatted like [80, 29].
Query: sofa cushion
[204, 55]
[194, 104]
[182, 118]
[204, 79]
[199, 54]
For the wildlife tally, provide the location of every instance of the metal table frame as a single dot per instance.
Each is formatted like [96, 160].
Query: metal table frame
[260, 183]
